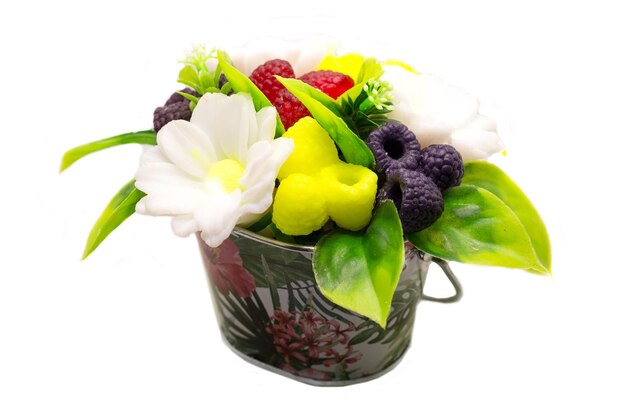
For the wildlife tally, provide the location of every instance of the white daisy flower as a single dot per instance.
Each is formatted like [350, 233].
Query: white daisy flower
[216, 171]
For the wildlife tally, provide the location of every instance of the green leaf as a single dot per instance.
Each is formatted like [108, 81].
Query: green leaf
[146, 137]
[206, 80]
[312, 92]
[193, 99]
[242, 84]
[490, 177]
[188, 75]
[360, 271]
[121, 206]
[354, 150]
[476, 227]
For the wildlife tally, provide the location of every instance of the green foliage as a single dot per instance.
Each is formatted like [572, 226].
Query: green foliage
[197, 75]
[121, 206]
[360, 271]
[490, 177]
[353, 149]
[477, 227]
[367, 111]
[146, 137]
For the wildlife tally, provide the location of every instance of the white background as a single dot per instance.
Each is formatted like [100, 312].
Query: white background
[131, 331]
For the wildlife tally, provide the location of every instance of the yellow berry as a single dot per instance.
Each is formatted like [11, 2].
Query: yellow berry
[349, 64]
[350, 192]
[313, 149]
[299, 205]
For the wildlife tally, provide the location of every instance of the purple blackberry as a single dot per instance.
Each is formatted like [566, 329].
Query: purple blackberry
[176, 108]
[175, 111]
[394, 147]
[443, 164]
[417, 198]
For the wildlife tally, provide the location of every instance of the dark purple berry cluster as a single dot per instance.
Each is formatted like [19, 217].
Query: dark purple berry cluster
[413, 178]
[175, 108]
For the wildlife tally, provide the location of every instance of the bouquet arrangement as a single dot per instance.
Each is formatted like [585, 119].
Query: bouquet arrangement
[353, 155]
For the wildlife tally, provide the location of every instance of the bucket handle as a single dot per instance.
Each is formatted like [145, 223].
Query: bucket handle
[458, 290]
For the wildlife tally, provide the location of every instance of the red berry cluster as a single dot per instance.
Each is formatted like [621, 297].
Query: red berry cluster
[288, 106]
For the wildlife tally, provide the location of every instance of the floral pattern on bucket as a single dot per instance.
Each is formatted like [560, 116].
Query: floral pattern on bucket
[225, 267]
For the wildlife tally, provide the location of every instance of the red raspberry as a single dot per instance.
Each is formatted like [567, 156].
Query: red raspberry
[330, 82]
[263, 77]
[289, 108]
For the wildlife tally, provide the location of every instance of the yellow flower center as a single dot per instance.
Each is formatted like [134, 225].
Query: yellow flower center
[228, 172]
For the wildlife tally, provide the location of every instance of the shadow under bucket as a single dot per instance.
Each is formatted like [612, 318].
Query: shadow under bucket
[272, 313]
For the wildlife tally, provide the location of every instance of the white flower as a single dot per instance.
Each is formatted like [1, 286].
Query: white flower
[303, 55]
[440, 113]
[216, 171]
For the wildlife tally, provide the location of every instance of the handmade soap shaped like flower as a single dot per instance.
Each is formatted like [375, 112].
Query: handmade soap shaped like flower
[334, 220]
[216, 171]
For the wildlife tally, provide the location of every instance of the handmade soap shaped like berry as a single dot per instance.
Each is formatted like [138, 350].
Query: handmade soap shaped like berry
[417, 198]
[289, 108]
[394, 146]
[443, 164]
[350, 192]
[299, 205]
[264, 77]
[332, 83]
[175, 108]
[313, 149]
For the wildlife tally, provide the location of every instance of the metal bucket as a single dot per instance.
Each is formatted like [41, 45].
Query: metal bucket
[272, 313]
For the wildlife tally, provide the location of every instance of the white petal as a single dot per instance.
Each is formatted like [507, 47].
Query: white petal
[427, 130]
[184, 225]
[476, 144]
[266, 125]
[140, 207]
[151, 154]
[163, 175]
[170, 190]
[310, 53]
[258, 179]
[443, 102]
[226, 120]
[255, 168]
[217, 217]
[482, 122]
[187, 147]
[429, 95]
